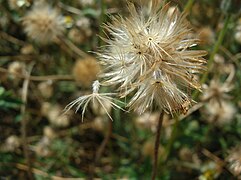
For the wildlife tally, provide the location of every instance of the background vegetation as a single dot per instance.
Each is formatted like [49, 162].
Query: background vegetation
[37, 80]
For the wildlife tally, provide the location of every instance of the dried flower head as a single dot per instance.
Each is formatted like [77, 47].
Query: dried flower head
[207, 35]
[234, 160]
[95, 98]
[45, 108]
[42, 148]
[16, 68]
[84, 24]
[216, 91]
[27, 49]
[46, 88]
[76, 35]
[49, 132]
[85, 71]
[57, 118]
[186, 154]
[11, 144]
[219, 112]
[150, 54]
[43, 23]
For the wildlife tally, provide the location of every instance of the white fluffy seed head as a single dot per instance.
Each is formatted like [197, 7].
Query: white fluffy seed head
[150, 54]
[43, 23]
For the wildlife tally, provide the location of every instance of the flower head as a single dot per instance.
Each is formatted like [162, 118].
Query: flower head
[234, 160]
[150, 54]
[219, 113]
[43, 23]
[95, 98]
[85, 71]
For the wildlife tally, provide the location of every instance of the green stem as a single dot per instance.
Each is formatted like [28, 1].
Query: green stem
[214, 51]
[188, 6]
[216, 48]
[101, 20]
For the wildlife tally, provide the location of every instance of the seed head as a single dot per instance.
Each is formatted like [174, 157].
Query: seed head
[150, 54]
[43, 23]
[220, 113]
[234, 160]
[95, 98]
[11, 144]
[85, 71]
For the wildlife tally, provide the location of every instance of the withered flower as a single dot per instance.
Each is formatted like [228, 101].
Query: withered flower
[95, 98]
[43, 23]
[151, 55]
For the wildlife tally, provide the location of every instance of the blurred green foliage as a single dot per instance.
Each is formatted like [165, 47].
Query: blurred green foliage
[8, 101]
[68, 151]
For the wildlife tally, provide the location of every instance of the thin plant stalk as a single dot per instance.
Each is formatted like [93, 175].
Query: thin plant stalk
[24, 123]
[172, 139]
[101, 20]
[188, 6]
[102, 147]
[216, 47]
[39, 78]
[156, 148]
[104, 142]
[214, 51]
[71, 47]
